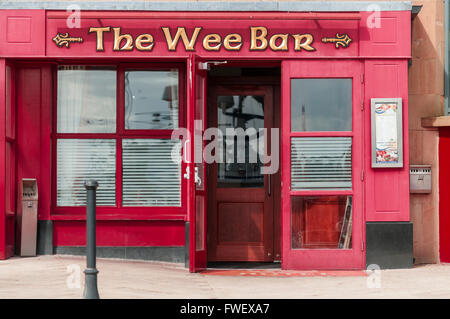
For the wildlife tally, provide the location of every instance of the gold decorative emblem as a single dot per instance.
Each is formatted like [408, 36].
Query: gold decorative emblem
[343, 40]
[65, 40]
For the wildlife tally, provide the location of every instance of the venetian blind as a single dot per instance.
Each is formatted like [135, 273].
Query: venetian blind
[321, 163]
[79, 160]
[150, 176]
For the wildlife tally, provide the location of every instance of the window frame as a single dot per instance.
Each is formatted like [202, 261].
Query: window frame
[302, 134]
[119, 211]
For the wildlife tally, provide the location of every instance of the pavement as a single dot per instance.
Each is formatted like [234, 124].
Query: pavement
[62, 277]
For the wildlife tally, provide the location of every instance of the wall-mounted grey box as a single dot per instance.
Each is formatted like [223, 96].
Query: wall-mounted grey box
[420, 179]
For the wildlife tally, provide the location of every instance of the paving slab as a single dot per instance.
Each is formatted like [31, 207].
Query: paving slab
[62, 277]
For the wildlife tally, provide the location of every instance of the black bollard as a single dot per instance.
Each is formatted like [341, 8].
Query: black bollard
[90, 287]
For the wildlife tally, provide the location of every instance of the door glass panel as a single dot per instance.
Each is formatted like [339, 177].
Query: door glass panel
[239, 118]
[151, 100]
[321, 222]
[199, 126]
[321, 105]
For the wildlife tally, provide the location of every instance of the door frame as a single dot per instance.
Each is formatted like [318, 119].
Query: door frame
[353, 258]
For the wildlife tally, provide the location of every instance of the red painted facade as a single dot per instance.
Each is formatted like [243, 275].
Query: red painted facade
[376, 60]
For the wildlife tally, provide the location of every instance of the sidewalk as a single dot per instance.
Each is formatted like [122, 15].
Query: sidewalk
[56, 277]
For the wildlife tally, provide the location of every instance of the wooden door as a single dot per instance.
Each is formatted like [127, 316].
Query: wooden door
[240, 202]
[322, 151]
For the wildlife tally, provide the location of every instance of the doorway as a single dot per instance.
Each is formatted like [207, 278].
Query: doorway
[244, 203]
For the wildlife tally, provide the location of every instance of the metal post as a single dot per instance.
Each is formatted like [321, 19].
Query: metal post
[90, 288]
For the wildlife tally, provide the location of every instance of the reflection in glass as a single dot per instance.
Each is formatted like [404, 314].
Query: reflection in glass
[79, 160]
[151, 100]
[321, 105]
[241, 166]
[86, 100]
[321, 222]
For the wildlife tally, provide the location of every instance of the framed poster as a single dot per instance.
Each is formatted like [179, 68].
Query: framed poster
[387, 132]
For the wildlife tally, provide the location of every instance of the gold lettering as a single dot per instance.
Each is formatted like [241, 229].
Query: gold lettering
[181, 32]
[118, 39]
[255, 38]
[210, 40]
[232, 38]
[99, 32]
[144, 38]
[306, 45]
[283, 46]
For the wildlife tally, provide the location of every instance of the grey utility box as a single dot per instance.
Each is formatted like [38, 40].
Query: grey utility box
[27, 217]
[420, 179]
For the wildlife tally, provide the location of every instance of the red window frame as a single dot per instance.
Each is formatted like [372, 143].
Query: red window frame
[118, 211]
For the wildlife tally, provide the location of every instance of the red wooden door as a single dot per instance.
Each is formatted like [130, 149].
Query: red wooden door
[240, 205]
[322, 152]
[197, 182]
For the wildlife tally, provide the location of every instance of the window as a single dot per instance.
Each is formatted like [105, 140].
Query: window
[114, 124]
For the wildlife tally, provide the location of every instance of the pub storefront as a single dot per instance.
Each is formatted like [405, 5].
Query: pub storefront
[141, 102]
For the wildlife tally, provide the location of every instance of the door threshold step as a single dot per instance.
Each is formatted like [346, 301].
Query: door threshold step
[284, 273]
[244, 265]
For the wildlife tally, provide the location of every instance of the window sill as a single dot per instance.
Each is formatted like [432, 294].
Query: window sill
[82, 217]
[435, 121]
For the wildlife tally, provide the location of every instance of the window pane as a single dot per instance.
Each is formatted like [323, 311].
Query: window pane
[241, 166]
[86, 100]
[151, 100]
[321, 222]
[81, 160]
[321, 163]
[321, 105]
[150, 176]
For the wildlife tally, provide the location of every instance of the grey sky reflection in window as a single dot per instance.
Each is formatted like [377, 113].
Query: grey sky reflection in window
[321, 105]
[86, 99]
[151, 100]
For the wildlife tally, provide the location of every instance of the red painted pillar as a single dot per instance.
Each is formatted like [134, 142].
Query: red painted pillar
[2, 159]
[444, 190]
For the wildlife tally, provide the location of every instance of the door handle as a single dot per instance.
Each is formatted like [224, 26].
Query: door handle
[186, 160]
[186, 175]
[198, 180]
[269, 187]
